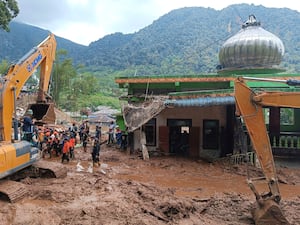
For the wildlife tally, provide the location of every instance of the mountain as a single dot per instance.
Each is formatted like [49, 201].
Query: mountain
[22, 38]
[183, 41]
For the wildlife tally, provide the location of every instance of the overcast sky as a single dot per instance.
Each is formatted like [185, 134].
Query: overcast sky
[84, 21]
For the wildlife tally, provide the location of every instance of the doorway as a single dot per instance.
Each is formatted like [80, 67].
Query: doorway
[179, 136]
[211, 139]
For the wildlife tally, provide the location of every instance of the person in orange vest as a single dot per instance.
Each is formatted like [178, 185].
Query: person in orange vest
[55, 145]
[41, 138]
[49, 145]
[72, 146]
[65, 150]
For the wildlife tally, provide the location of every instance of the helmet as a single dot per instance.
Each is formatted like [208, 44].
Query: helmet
[29, 112]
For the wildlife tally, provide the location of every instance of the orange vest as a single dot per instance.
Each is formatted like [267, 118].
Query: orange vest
[41, 136]
[72, 142]
[66, 147]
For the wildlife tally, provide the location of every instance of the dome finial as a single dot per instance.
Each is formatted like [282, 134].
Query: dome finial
[251, 22]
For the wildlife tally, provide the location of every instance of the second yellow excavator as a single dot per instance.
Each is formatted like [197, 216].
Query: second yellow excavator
[249, 105]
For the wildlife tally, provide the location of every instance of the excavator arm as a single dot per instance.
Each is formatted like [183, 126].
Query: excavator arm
[42, 55]
[249, 105]
[19, 159]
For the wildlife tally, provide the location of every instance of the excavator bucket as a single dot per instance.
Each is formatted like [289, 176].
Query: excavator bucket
[43, 113]
[268, 212]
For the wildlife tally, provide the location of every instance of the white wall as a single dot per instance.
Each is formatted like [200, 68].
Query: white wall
[197, 114]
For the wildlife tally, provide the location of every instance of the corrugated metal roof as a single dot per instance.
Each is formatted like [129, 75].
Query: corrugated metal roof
[201, 102]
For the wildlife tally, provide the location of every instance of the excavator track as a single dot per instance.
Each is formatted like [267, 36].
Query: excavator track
[12, 191]
[48, 169]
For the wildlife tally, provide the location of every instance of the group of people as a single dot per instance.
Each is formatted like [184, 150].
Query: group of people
[55, 141]
[62, 142]
[116, 136]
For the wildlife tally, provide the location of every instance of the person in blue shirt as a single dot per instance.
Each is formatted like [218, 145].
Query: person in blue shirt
[28, 126]
[98, 132]
[118, 136]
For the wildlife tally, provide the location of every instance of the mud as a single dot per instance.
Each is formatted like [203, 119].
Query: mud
[128, 190]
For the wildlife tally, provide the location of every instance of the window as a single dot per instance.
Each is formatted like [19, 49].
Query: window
[150, 132]
[267, 115]
[286, 116]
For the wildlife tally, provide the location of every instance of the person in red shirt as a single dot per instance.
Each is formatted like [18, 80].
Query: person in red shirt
[65, 150]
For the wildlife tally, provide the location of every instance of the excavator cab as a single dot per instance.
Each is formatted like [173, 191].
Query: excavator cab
[43, 113]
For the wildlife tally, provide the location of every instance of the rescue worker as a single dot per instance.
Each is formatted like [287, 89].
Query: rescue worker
[55, 144]
[35, 138]
[73, 129]
[124, 141]
[41, 138]
[84, 128]
[27, 127]
[72, 145]
[111, 133]
[118, 136]
[96, 152]
[98, 132]
[65, 150]
[85, 137]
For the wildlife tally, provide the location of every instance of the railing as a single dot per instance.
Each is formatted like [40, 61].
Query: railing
[286, 143]
[249, 157]
[285, 140]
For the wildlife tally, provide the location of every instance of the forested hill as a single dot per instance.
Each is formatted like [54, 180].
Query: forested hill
[184, 41]
[187, 40]
[22, 38]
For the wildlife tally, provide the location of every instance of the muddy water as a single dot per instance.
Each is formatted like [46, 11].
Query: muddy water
[107, 198]
[191, 178]
[186, 178]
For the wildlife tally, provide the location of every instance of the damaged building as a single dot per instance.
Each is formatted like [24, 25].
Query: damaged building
[194, 116]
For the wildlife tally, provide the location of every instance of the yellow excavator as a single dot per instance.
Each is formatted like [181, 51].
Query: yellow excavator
[18, 158]
[249, 106]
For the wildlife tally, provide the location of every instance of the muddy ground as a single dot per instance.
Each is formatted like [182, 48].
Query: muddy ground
[128, 190]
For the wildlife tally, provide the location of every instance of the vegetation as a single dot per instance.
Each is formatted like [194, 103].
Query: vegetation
[74, 91]
[183, 42]
[187, 41]
[4, 66]
[8, 10]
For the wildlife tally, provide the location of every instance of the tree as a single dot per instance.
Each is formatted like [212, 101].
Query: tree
[4, 66]
[8, 10]
[85, 84]
[63, 72]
